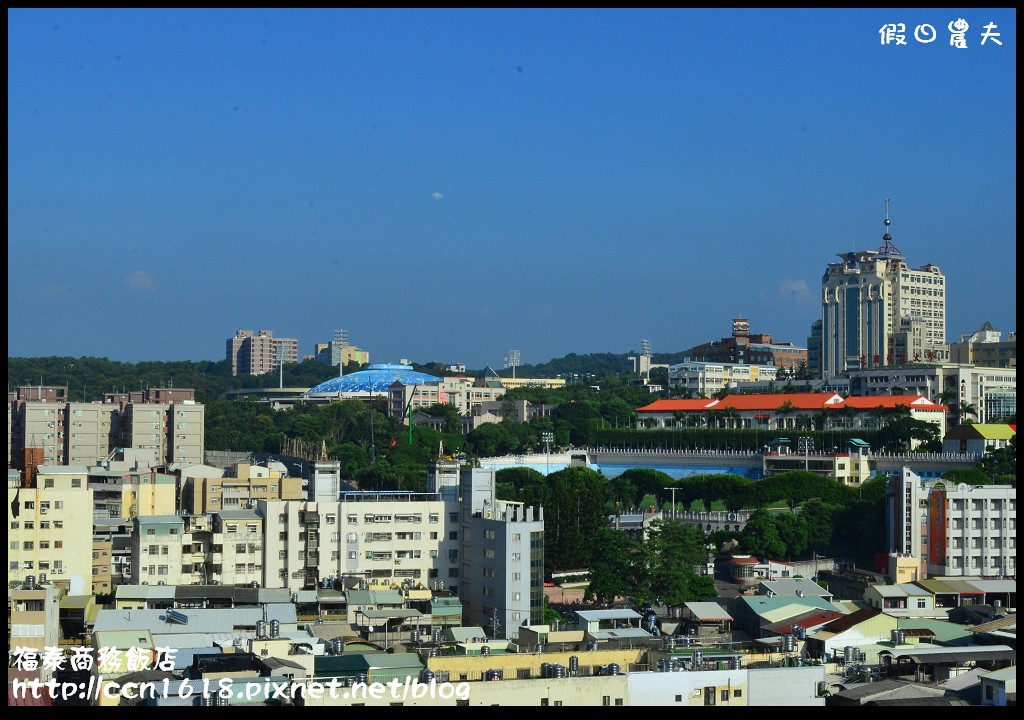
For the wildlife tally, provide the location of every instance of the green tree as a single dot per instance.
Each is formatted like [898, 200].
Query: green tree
[674, 555]
[612, 572]
[792, 530]
[576, 509]
[818, 517]
[760, 536]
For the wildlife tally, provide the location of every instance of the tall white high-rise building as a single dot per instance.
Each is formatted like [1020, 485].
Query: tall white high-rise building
[877, 311]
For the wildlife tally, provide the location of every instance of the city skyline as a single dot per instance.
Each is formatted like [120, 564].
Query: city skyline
[452, 185]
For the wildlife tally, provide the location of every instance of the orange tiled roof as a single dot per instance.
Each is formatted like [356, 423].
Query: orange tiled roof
[678, 405]
[772, 401]
[890, 402]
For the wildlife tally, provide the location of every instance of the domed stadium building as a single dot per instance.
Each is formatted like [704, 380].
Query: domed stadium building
[373, 381]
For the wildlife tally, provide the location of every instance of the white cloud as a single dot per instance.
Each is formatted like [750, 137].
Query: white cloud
[140, 280]
[796, 289]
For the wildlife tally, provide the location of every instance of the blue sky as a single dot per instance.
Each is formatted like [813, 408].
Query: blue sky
[450, 185]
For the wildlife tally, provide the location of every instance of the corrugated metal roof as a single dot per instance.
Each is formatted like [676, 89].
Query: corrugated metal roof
[375, 597]
[464, 634]
[132, 592]
[598, 615]
[392, 660]
[620, 634]
[708, 610]
[222, 620]
[123, 638]
[953, 655]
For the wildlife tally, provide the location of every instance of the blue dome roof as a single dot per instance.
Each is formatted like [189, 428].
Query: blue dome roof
[375, 378]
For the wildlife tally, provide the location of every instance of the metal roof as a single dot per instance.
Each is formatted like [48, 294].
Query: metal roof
[375, 597]
[953, 655]
[201, 620]
[708, 610]
[620, 634]
[599, 615]
[375, 378]
[389, 614]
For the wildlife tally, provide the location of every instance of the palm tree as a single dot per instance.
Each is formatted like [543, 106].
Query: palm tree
[968, 409]
[948, 397]
[880, 412]
[785, 410]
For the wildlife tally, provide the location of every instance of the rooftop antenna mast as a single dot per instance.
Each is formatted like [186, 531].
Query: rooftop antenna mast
[512, 361]
[887, 250]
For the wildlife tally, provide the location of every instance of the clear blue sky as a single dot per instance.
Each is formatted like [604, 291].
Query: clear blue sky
[449, 185]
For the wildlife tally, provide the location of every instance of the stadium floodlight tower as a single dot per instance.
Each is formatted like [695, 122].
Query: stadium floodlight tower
[512, 361]
[280, 363]
[645, 353]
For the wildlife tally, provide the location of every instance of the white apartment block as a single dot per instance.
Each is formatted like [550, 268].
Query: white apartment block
[224, 548]
[954, 530]
[704, 379]
[381, 538]
[50, 528]
[877, 311]
[157, 551]
[459, 538]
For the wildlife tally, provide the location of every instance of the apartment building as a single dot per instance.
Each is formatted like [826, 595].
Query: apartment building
[877, 311]
[102, 566]
[125, 493]
[166, 423]
[259, 353]
[48, 532]
[953, 530]
[209, 490]
[458, 538]
[33, 616]
[219, 548]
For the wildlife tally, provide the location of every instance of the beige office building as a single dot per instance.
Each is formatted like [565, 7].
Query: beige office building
[877, 311]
